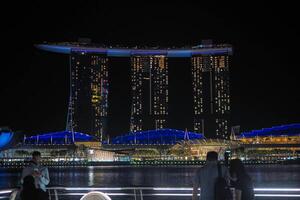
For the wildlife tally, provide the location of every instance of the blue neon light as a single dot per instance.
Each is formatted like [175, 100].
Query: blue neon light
[284, 130]
[59, 138]
[89, 50]
[149, 52]
[118, 52]
[5, 138]
[161, 136]
[55, 49]
[179, 53]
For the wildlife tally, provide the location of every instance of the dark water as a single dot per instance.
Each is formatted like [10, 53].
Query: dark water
[262, 175]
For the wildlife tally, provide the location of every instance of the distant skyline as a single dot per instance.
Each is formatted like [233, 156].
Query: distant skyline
[263, 76]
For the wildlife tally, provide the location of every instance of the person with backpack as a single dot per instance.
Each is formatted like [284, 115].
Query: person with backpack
[212, 178]
[241, 181]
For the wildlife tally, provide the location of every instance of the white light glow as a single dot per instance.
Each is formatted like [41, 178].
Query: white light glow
[277, 195]
[277, 189]
[170, 188]
[85, 188]
[170, 194]
[173, 188]
[5, 191]
[110, 194]
[164, 191]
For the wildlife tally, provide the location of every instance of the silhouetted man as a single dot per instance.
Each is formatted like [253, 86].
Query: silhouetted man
[40, 174]
[206, 177]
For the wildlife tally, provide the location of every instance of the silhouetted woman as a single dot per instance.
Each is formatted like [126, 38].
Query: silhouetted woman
[241, 181]
[29, 191]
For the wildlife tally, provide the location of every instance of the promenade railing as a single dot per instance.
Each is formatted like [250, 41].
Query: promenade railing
[145, 193]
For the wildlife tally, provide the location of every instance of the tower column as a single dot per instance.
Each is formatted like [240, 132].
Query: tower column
[149, 78]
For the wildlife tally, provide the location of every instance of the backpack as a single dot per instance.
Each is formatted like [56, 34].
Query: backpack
[222, 190]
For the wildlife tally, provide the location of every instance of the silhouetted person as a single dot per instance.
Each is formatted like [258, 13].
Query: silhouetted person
[29, 192]
[39, 173]
[226, 159]
[241, 181]
[206, 177]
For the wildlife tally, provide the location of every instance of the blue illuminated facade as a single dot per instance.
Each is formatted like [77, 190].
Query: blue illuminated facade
[5, 138]
[283, 130]
[160, 136]
[127, 52]
[152, 137]
[63, 137]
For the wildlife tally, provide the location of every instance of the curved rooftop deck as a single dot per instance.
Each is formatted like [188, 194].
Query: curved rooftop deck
[67, 48]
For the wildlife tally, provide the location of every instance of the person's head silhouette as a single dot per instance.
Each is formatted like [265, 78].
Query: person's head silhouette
[36, 157]
[28, 182]
[212, 156]
[237, 168]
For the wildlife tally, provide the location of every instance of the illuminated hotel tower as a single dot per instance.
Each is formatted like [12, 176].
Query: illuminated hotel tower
[89, 93]
[149, 86]
[210, 79]
[149, 77]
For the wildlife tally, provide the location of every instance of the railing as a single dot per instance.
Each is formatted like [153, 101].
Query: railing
[143, 193]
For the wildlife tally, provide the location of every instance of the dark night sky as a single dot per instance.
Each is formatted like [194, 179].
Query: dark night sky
[264, 78]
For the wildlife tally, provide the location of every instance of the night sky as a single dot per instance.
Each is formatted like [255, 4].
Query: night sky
[264, 79]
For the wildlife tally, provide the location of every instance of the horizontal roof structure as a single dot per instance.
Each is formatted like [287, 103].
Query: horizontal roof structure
[160, 136]
[67, 48]
[59, 138]
[284, 130]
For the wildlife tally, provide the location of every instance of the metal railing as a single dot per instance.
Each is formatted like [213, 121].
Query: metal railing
[142, 193]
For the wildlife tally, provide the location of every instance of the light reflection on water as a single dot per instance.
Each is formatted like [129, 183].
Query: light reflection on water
[91, 176]
[275, 175]
[262, 175]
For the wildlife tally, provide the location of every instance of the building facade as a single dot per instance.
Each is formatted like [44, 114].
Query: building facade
[149, 78]
[149, 86]
[211, 97]
[88, 93]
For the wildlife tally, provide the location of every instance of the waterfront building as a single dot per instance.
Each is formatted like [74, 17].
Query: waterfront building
[88, 93]
[275, 143]
[197, 149]
[63, 146]
[284, 134]
[211, 97]
[149, 86]
[266, 145]
[154, 137]
[149, 78]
